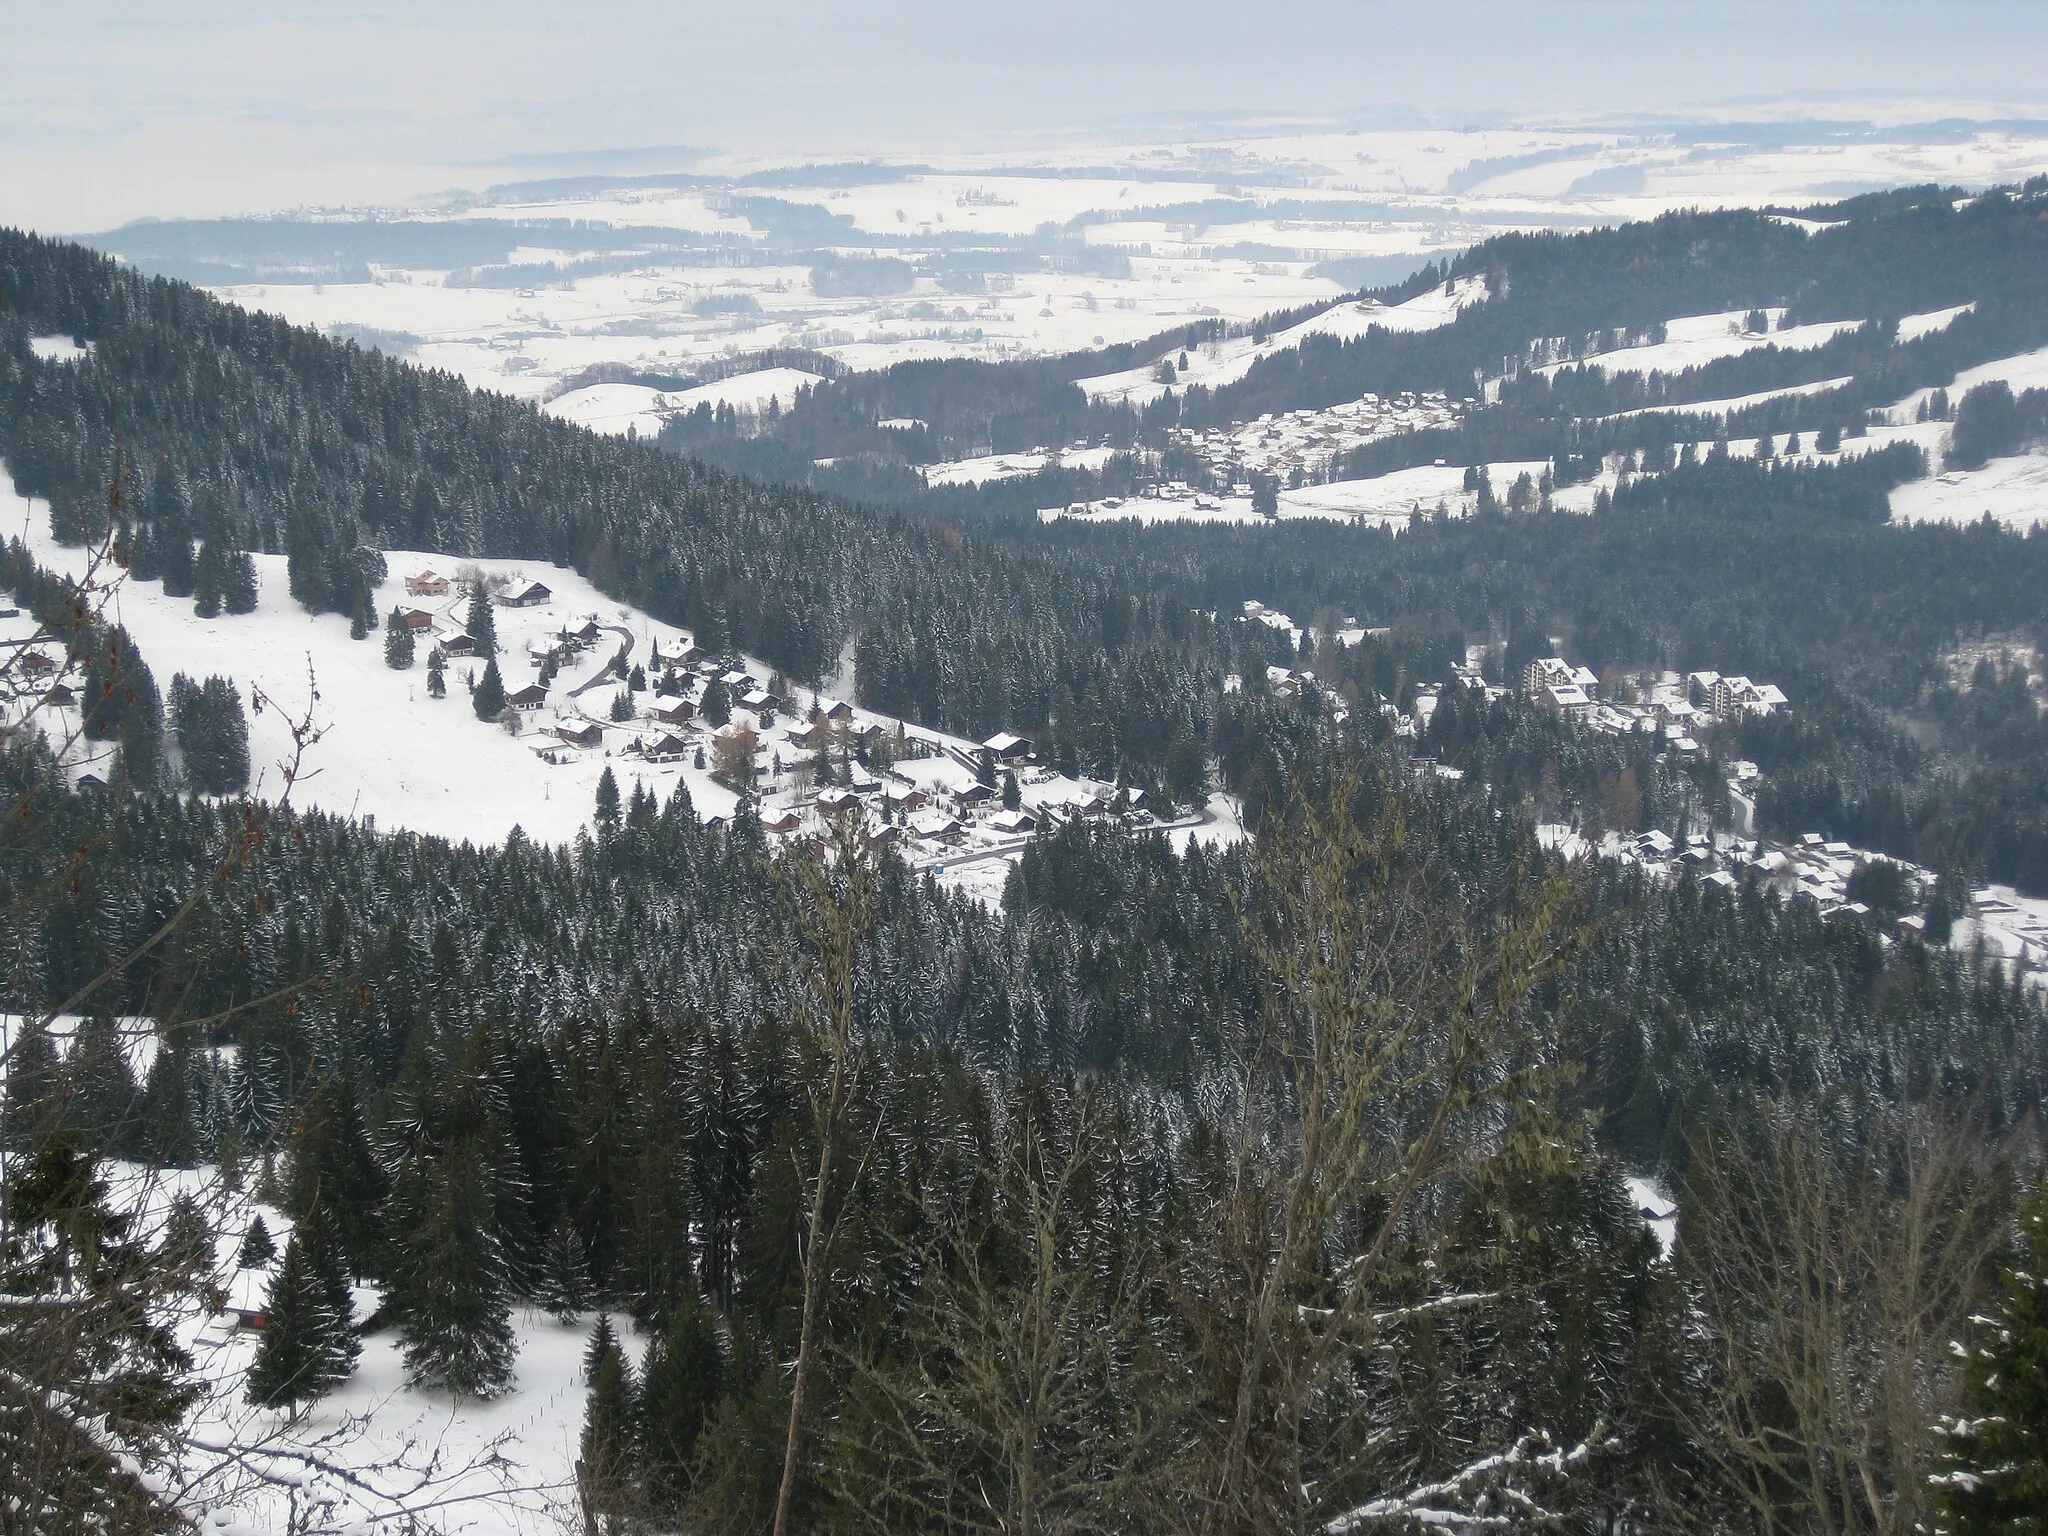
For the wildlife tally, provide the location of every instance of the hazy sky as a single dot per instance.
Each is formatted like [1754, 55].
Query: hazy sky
[111, 109]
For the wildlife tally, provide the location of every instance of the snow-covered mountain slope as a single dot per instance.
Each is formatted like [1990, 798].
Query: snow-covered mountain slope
[1217, 363]
[1690, 341]
[613, 408]
[386, 749]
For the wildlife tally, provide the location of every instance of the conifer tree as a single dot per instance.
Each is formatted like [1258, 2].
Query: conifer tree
[565, 1289]
[398, 642]
[489, 698]
[239, 582]
[606, 1453]
[31, 1095]
[213, 734]
[209, 581]
[180, 570]
[257, 1249]
[608, 801]
[680, 1381]
[482, 623]
[188, 1241]
[1995, 1482]
[330, 1169]
[308, 1346]
[95, 1378]
[100, 1095]
[451, 1292]
[437, 676]
[717, 704]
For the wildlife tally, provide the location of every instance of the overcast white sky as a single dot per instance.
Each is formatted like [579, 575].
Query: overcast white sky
[113, 109]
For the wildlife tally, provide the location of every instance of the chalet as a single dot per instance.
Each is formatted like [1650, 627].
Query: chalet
[61, 696]
[244, 1304]
[833, 801]
[529, 594]
[903, 798]
[937, 828]
[454, 644]
[688, 655]
[427, 584]
[91, 781]
[36, 664]
[584, 635]
[885, 837]
[763, 703]
[737, 682]
[676, 712]
[972, 795]
[532, 696]
[416, 619]
[809, 737]
[580, 733]
[835, 710]
[786, 819]
[1006, 748]
[667, 750]
[1013, 823]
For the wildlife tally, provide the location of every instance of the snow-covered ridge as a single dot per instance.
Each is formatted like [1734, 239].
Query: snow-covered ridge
[1217, 363]
[1692, 341]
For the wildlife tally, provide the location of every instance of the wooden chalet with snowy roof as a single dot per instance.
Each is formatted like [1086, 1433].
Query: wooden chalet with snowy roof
[676, 712]
[427, 584]
[580, 733]
[668, 749]
[526, 594]
[532, 696]
[1005, 747]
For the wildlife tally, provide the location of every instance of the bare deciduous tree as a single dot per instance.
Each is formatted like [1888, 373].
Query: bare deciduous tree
[1829, 1278]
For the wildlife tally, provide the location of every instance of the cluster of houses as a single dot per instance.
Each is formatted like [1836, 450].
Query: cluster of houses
[450, 638]
[1649, 701]
[31, 679]
[936, 806]
[1812, 868]
[1300, 445]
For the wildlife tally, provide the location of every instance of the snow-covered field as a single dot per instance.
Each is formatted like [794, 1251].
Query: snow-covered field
[387, 750]
[615, 408]
[1388, 500]
[2011, 491]
[1011, 466]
